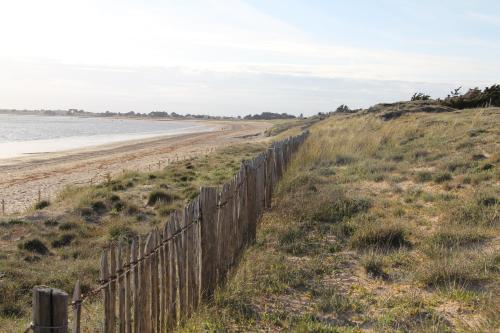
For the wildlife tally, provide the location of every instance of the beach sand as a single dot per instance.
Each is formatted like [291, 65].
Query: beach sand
[21, 179]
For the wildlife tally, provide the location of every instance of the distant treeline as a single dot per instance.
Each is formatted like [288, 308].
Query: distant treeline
[153, 114]
[270, 115]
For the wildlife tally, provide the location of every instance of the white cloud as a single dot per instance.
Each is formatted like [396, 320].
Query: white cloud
[190, 55]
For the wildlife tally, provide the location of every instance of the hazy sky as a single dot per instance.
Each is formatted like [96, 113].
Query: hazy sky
[236, 57]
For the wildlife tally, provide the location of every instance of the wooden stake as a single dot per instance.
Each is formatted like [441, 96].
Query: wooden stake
[50, 310]
[77, 307]
[104, 276]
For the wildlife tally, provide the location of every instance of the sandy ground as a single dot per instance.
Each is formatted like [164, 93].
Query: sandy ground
[22, 179]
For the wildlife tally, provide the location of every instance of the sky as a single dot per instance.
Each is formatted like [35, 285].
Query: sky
[235, 57]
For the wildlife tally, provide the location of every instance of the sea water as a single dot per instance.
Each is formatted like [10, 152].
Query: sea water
[24, 135]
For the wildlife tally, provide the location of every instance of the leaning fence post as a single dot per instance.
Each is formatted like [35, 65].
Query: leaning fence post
[50, 310]
[76, 307]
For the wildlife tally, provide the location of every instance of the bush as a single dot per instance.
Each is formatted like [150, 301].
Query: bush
[63, 240]
[479, 211]
[333, 301]
[338, 208]
[98, 207]
[51, 223]
[450, 271]
[121, 233]
[118, 206]
[42, 204]
[379, 236]
[450, 237]
[68, 226]
[294, 241]
[34, 245]
[420, 97]
[11, 222]
[159, 196]
[476, 97]
[424, 176]
[342, 159]
[442, 177]
[373, 263]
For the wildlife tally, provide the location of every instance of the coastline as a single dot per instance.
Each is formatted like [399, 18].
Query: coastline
[22, 178]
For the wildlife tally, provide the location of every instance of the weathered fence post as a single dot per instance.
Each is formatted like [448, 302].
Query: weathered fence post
[50, 310]
[104, 277]
[208, 206]
[77, 307]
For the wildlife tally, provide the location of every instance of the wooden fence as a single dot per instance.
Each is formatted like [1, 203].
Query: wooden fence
[156, 281]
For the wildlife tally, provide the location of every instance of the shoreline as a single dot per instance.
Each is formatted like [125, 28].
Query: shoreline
[22, 178]
[43, 145]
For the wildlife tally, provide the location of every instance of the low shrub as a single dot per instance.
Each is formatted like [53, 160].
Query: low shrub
[482, 210]
[424, 176]
[333, 301]
[449, 237]
[450, 271]
[11, 222]
[343, 159]
[98, 207]
[373, 263]
[42, 204]
[122, 233]
[337, 207]
[442, 177]
[158, 196]
[379, 236]
[68, 226]
[63, 240]
[51, 223]
[34, 245]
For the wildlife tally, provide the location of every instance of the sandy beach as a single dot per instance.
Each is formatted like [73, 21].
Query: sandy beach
[22, 178]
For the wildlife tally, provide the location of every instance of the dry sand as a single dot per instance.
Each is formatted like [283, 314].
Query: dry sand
[22, 178]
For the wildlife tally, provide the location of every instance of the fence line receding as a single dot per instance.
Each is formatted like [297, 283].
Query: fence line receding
[156, 281]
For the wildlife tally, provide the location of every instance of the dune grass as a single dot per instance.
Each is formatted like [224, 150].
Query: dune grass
[378, 225]
[56, 245]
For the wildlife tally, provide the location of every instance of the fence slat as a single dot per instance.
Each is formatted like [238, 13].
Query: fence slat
[112, 288]
[190, 260]
[145, 311]
[77, 294]
[154, 282]
[136, 280]
[208, 230]
[251, 202]
[104, 276]
[174, 282]
[196, 253]
[163, 282]
[121, 289]
[128, 291]
[180, 249]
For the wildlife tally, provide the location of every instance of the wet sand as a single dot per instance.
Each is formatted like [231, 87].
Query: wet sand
[22, 178]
